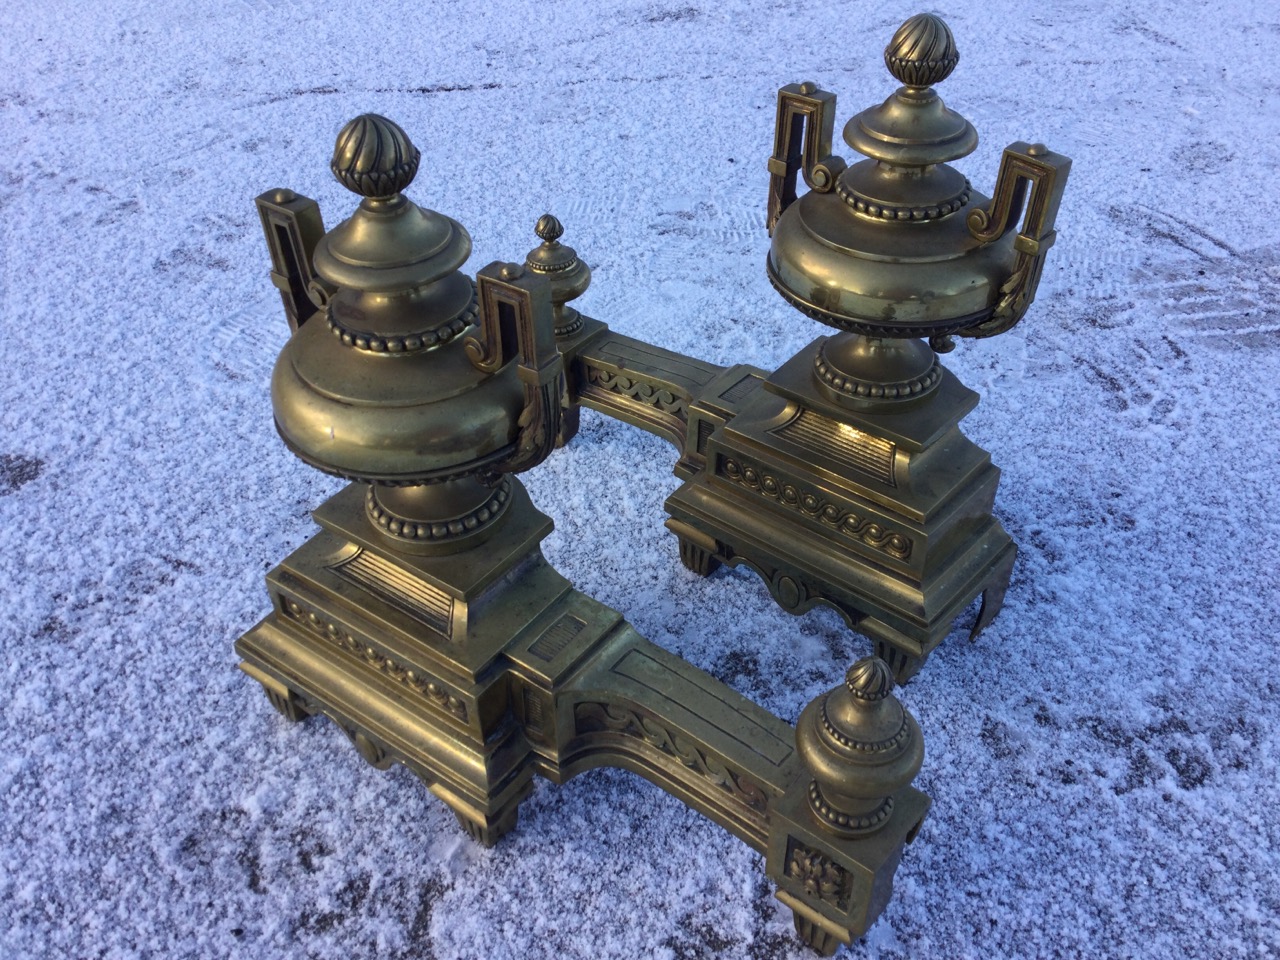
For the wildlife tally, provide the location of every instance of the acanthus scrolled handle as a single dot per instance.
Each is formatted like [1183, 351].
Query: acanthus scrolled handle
[801, 144]
[1024, 168]
[517, 322]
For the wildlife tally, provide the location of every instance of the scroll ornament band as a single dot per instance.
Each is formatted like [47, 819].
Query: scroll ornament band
[658, 397]
[426, 687]
[593, 716]
[816, 507]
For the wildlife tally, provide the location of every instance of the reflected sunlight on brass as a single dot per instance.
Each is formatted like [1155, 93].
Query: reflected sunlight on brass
[423, 618]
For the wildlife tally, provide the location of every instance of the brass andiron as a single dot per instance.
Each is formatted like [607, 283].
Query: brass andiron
[843, 477]
[423, 618]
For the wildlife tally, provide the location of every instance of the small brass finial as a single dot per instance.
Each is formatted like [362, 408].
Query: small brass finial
[861, 747]
[548, 229]
[374, 157]
[922, 52]
[869, 679]
[569, 276]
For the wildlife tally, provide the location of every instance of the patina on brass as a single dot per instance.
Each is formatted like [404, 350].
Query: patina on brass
[842, 477]
[423, 618]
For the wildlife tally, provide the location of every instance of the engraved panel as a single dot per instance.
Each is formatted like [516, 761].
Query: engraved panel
[557, 637]
[705, 429]
[535, 711]
[402, 590]
[742, 389]
[842, 443]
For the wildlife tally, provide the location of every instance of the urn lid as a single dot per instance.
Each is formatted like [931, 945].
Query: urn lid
[389, 244]
[383, 390]
[885, 249]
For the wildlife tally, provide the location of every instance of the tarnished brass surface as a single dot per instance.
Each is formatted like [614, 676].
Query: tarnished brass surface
[842, 477]
[423, 618]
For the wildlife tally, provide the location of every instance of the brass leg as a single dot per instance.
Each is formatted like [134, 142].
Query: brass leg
[698, 552]
[489, 830]
[817, 937]
[287, 702]
[903, 665]
[993, 596]
[700, 561]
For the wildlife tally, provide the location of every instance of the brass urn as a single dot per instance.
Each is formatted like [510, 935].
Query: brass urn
[899, 245]
[380, 392]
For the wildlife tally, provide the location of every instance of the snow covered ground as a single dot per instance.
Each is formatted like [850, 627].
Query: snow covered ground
[1103, 762]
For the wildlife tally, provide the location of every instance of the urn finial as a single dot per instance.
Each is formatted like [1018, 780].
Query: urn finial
[861, 747]
[569, 276]
[922, 52]
[374, 157]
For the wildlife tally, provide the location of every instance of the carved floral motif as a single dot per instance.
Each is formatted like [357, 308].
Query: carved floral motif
[821, 878]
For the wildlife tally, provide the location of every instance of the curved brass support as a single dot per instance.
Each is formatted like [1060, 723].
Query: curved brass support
[642, 709]
[1023, 166]
[517, 323]
[802, 143]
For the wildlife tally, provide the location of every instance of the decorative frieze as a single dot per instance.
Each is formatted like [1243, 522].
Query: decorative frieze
[815, 506]
[591, 716]
[426, 686]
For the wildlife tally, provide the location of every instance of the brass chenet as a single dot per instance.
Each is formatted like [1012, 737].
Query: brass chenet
[842, 477]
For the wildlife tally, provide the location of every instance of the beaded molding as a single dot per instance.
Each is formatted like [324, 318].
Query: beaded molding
[843, 821]
[904, 389]
[409, 342]
[903, 734]
[550, 268]
[570, 328]
[406, 529]
[885, 211]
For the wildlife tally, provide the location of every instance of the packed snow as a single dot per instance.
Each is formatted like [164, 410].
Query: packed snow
[1103, 761]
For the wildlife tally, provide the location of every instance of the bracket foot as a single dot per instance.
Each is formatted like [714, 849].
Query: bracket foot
[700, 561]
[698, 552]
[489, 830]
[818, 937]
[287, 702]
[993, 596]
[903, 665]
